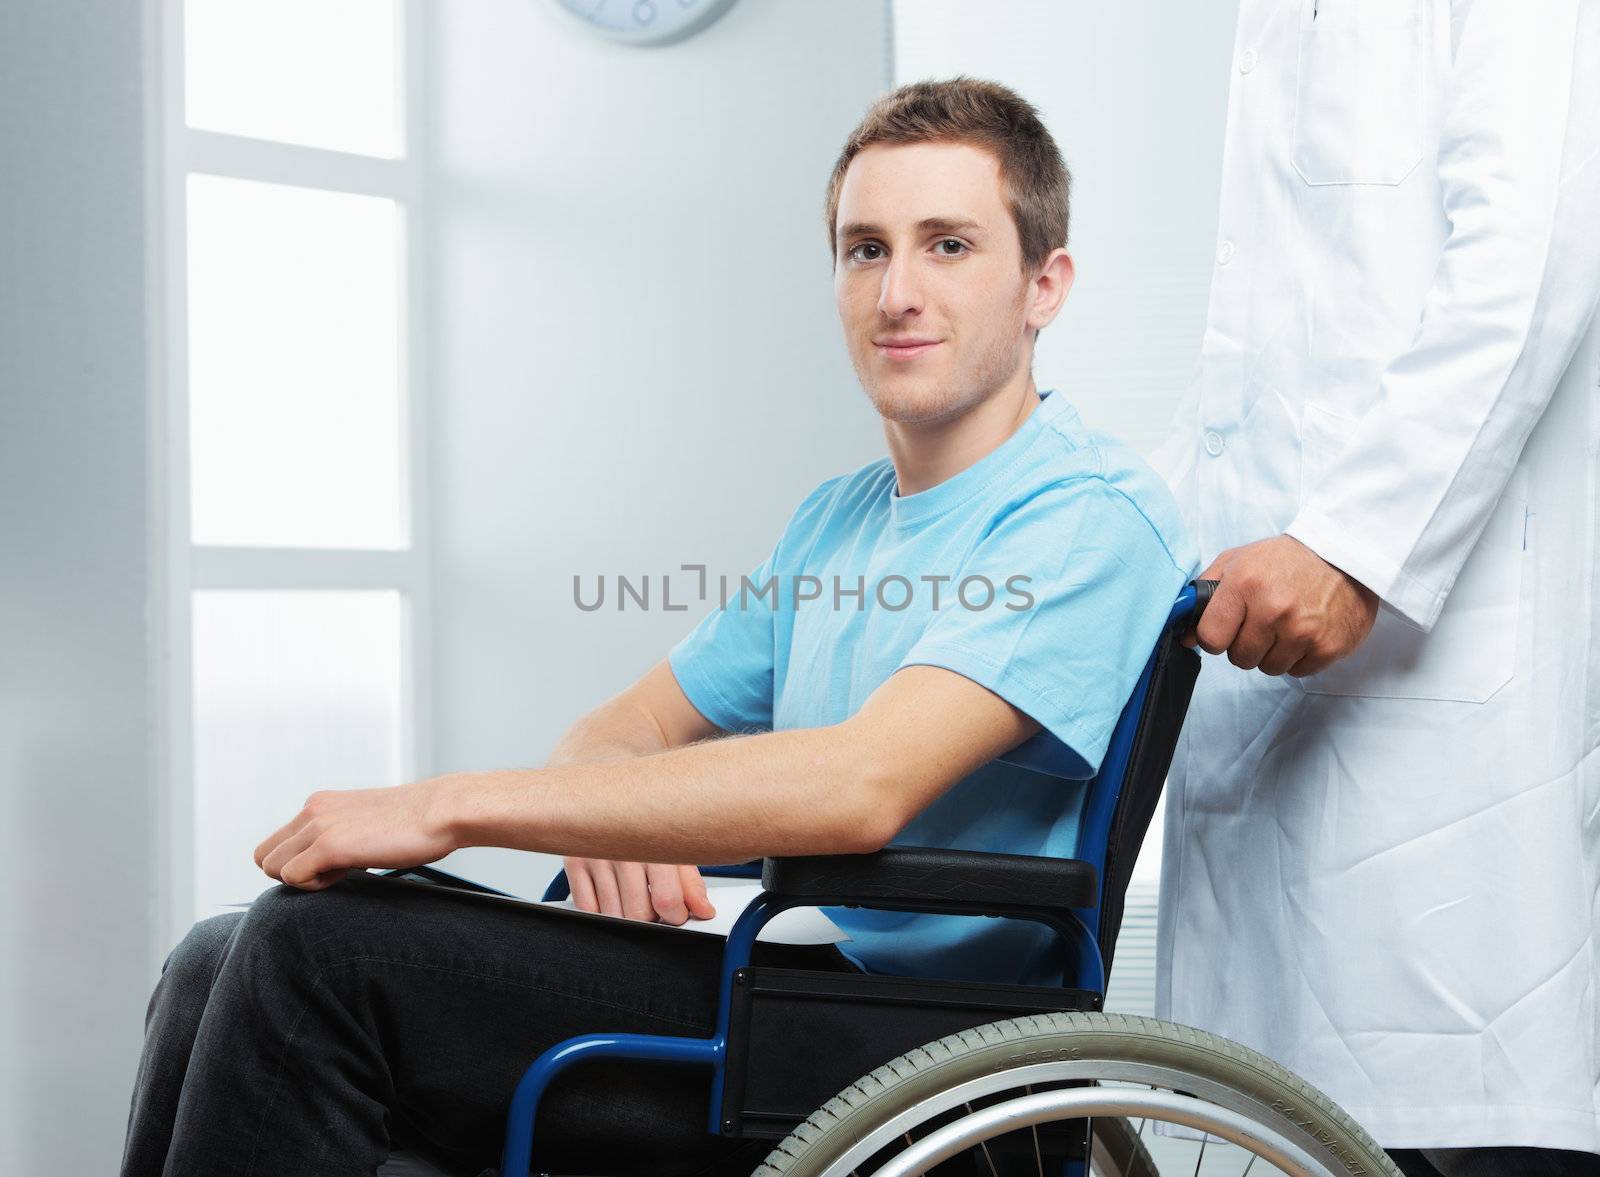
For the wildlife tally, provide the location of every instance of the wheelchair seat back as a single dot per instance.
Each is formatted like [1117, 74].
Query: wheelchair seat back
[1123, 795]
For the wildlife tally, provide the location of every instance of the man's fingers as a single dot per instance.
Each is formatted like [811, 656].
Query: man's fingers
[309, 870]
[285, 850]
[1219, 624]
[581, 885]
[632, 883]
[694, 893]
[666, 892]
[604, 873]
[315, 857]
[278, 836]
[1284, 654]
[1311, 664]
[1213, 572]
[1281, 608]
[1251, 643]
[637, 890]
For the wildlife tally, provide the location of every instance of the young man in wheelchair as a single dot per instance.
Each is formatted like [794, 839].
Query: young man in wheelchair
[934, 653]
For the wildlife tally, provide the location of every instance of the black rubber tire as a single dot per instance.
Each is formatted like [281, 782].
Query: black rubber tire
[1286, 1102]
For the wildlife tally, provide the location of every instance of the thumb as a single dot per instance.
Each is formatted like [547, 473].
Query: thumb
[694, 893]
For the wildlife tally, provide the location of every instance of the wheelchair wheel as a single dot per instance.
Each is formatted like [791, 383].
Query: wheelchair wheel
[990, 1101]
[1118, 1150]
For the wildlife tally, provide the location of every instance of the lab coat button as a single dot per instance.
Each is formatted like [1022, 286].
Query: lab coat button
[1225, 253]
[1247, 61]
[1213, 442]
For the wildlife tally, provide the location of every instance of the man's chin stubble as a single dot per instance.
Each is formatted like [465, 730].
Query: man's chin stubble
[923, 406]
[917, 408]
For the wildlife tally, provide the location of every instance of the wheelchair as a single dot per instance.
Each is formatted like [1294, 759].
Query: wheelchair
[896, 1076]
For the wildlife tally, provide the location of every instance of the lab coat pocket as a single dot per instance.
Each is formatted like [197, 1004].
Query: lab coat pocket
[1358, 92]
[1471, 651]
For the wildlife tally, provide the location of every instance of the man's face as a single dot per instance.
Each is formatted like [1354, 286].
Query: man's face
[927, 251]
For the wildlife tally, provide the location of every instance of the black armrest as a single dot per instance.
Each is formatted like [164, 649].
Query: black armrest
[947, 880]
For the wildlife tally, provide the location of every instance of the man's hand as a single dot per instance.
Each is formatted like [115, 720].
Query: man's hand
[1283, 608]
[340, 829]
[639, 890]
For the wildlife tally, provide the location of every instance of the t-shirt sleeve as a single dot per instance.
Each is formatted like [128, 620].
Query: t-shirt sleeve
[1083, 585]
[725, 664]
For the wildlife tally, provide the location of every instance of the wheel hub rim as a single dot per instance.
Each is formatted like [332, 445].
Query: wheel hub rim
[1205, 1093]
[1078, 1102]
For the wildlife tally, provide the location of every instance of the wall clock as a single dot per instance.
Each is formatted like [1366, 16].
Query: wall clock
[645, 22]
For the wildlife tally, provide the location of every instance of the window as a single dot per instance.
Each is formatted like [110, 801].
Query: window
[295, 554]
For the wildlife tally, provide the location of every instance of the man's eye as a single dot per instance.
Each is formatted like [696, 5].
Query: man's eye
[855, 254]
[962, 245]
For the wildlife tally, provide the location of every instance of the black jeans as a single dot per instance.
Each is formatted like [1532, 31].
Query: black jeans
[1495, 1162]
[314, 1032]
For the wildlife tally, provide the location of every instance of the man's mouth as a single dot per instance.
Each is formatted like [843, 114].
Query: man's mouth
[904, 349]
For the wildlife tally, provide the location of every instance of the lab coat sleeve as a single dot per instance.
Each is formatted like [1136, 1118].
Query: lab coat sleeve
[1404, 501]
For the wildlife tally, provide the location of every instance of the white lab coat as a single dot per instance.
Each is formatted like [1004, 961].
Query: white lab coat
[1385, 876]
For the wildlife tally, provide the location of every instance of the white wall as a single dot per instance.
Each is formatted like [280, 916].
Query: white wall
[76, 727]
[637, 363]
[1135, 96]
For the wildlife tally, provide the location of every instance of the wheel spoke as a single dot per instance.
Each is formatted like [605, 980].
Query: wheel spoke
[1038, 1159]
[1199, 1160]
[1247, 1165]
[984, 1144]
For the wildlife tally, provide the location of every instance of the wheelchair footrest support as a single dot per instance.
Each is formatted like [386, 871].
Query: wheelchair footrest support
[798, 1037]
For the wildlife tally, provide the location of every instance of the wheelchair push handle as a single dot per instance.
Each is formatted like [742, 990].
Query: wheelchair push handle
[1191, 603]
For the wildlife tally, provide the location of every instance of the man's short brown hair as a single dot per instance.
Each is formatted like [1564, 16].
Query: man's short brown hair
[1036, 182]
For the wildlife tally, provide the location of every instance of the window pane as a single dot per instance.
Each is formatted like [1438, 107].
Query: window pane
[323, 73]
[293, 692]
[294, 345]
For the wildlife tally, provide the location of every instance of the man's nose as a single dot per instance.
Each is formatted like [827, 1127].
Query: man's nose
[901, 293]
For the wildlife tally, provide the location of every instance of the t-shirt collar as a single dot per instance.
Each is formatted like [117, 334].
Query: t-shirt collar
[961, 486]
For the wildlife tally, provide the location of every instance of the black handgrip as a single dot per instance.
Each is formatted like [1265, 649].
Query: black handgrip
[1202, 597]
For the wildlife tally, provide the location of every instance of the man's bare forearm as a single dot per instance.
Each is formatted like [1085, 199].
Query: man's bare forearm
[613, 731]
[847, 788]
[801, 791]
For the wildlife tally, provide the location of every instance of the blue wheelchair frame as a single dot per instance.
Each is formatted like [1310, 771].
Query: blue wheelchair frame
[1085, 953]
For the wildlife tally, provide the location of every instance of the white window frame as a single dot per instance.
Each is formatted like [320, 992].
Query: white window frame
[179, 567]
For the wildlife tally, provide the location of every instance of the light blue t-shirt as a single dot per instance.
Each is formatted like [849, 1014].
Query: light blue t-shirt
[1043, 571]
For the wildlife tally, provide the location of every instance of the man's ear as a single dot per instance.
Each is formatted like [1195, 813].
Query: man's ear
[1049, 289]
